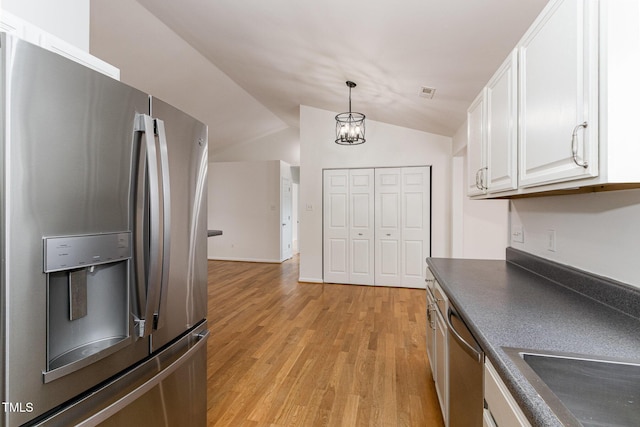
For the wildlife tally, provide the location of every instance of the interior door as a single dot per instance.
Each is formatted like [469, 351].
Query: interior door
[361, 229]
[388, 245]
[286, 211]
[336, 226]
[415, 224]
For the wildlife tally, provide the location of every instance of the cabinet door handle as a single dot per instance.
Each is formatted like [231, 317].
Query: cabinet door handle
[478, 185]
[574, 145]
[483, 178]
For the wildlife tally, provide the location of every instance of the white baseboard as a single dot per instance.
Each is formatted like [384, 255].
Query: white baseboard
[271, 261]
[310, 280]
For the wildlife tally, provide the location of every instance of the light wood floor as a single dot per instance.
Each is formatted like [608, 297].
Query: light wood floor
[283, 353]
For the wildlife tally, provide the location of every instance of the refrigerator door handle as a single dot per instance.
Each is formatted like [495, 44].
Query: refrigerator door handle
[121, 403]
[166, 223]
[148, 227]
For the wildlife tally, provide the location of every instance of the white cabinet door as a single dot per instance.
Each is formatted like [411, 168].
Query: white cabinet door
[431, 326]
[336, 226]
[441, 365]
[388, 216]
[476, 146]
[501, 405]
[415, 225]
[13, 25]
[558, 93]
[361, 230]
[502, 127]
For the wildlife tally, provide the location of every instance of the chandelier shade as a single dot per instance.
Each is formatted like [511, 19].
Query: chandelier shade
[350, 128]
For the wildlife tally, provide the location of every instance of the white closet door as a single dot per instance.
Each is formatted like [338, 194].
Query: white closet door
[415, 225]
[336, 226]
[388, 231]
[376, 226]
[361, 233]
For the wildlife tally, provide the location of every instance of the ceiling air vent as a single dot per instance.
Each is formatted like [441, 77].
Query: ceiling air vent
[427, 92]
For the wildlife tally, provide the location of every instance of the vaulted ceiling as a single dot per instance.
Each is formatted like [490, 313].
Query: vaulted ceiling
[285, 53]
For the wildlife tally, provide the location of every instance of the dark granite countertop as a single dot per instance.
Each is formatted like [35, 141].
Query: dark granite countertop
[507, 305]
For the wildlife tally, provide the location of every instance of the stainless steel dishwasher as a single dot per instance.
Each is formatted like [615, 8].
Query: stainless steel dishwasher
[465, 373]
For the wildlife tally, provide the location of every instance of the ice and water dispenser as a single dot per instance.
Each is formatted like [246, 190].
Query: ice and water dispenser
[88, 299]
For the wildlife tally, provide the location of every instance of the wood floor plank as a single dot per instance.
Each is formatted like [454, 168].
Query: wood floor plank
[283, 353]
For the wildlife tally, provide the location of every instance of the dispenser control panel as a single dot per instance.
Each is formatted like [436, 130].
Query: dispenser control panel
[70, 252]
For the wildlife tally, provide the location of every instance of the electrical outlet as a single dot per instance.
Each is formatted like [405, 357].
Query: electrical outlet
[551, 240]
[517, 233]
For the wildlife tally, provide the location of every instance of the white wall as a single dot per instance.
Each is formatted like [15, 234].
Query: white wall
[283, 145]
[480, 228]
[154, 59]
[485, 227]
[66, 19]
[596, 232]
[295, 210]
[244, 202]
[386, 145]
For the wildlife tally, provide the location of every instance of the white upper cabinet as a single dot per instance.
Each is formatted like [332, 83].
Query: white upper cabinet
[492, 133]
[476, 146]
[574, 128]
[559, 95]
[502, 127]
[13, 25]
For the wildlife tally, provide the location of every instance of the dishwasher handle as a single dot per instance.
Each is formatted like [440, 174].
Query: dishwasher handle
[468, 348]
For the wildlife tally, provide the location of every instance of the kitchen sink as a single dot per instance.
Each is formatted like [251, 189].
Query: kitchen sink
[583, 390]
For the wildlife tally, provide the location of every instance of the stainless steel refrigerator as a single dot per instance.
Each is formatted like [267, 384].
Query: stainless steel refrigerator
[103, 249]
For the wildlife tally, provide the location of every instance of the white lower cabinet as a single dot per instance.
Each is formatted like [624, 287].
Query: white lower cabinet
[487, 419]
[441, 356]
[431, 332]
[501, 408]
[437, 350]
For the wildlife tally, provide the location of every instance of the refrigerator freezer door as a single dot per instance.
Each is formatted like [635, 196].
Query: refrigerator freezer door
[66, 144]
[183, 300]
[167, 390]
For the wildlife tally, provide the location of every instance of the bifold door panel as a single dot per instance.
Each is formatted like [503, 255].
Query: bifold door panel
[349, 227]
[376, 225]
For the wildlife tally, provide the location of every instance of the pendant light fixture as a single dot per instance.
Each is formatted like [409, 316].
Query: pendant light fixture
[350, 126]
